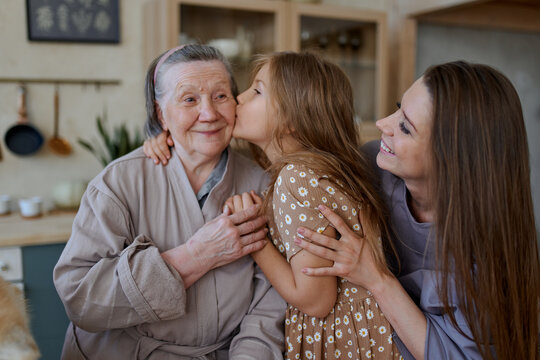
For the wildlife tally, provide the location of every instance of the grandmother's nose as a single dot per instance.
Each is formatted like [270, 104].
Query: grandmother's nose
[207, 111]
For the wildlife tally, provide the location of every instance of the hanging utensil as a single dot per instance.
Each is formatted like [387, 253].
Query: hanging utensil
[57, 144]
[23, 138]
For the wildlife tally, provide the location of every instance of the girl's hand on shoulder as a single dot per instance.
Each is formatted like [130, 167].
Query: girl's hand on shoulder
[158, 148]
[241, 202]
[351, 254]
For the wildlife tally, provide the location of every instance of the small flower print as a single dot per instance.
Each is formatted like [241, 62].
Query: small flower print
[353, 211]
[368, 301]
[287, 322]
[321, 216]
[309, 339]
[368, 354]
[294, 318]
[339, 334]
[356, 227]
[349, 342]
[349, 354]
[281, 248]
[283, 198]
[390, 339]
[290, 167]
[299, 327]
[338, 321]
[292, 180]
[299, 339]
[372, 342]
[330, 190]
[288, 219]
[346, 320]
[306, 203]
[302, 217]
[337, 353]
[271, 231]
[289, 347]
[313, 182]
[346, 292]
[354, 290]
[324, 199]
[334, 205]
[381, 348]
[369, 314]
[344, 207]
[287, 245]
[317, 336]
[302, 191]
[363, 332]
[382, 330]
[330, 339]
[281, 224]
[302, 174]
[309, 354]
[279, 180]
[293, 206]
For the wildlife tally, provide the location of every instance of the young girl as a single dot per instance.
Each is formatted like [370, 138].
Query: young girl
[299, 113]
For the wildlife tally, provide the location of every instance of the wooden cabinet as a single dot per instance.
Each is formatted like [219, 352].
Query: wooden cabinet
[353, 38]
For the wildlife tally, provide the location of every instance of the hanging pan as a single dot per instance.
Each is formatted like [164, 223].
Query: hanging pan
[23, 138]
[58, 144]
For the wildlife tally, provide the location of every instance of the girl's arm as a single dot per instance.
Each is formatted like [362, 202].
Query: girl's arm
[314, 296]
[158, 149]
[351, 262]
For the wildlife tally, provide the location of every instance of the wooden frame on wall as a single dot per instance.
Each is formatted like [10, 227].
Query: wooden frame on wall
[83, 21]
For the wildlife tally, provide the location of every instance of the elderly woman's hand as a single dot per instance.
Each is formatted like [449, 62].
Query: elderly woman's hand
[157, 148]
[351, 254]
[219, 242]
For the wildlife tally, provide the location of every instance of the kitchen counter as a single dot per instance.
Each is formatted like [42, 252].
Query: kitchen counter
[51, 228]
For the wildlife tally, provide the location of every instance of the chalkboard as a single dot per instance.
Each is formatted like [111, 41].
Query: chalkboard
[73, 20]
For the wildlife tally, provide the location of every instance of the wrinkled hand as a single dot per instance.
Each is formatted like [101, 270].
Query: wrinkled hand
[228, 237]
[158, 148]
[242, 201]
[351, 254]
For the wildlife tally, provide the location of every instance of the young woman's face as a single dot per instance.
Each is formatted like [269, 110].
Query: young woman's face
[253, 113]
[404, 148]
[198, 108]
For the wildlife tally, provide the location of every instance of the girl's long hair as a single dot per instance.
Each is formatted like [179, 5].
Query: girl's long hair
[313, 102]
[484, 221]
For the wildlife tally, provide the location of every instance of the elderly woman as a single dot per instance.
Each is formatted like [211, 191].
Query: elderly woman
[153, 270]
[454, 166]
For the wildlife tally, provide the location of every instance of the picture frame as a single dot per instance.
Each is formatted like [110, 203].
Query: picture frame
[84, 21]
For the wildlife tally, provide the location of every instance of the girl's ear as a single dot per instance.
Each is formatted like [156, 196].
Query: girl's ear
[159, 114]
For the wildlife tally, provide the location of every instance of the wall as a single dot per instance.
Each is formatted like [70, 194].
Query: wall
[516, 54]
[79, 105]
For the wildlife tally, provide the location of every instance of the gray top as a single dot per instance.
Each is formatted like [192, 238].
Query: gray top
[125, 302]
[417, 275]
[213, 179]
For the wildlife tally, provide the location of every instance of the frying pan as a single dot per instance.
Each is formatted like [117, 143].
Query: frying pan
[23, 138]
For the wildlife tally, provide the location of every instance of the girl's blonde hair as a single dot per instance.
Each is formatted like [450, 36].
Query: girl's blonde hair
[313, 103]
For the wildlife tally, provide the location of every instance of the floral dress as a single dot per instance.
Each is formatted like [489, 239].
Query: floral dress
[355, 328]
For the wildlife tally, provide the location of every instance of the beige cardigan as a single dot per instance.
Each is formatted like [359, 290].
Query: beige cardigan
[125, 302]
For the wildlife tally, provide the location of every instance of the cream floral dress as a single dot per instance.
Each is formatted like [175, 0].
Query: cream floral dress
[355, 328]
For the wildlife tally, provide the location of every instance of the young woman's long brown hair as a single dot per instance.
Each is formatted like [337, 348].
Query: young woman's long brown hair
[484, 221]
[313, 102]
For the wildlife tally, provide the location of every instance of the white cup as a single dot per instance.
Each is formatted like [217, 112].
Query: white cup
[30, 207]
[5, 202]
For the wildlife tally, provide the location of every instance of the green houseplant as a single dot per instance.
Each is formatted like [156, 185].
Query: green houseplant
[113, 144]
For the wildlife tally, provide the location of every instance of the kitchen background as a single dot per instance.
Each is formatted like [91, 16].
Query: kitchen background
[401, 38]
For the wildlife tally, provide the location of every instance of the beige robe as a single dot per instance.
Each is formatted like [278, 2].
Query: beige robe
[125, 302]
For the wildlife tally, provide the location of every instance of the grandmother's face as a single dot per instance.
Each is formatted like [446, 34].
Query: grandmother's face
[404, 148]
[198, 108]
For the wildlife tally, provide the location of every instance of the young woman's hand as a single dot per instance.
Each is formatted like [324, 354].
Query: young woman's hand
[351, 254]
[158, 148]
[240, 202]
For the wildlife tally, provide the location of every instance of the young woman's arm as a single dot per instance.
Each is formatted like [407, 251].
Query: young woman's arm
[314, 296]
[351, 262]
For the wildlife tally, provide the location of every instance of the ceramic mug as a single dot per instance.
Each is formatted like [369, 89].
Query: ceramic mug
[5, 201]
[30, 207]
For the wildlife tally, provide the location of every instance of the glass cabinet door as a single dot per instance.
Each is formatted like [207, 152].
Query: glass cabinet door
[238, 32]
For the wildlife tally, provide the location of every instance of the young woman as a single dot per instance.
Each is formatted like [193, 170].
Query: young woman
[299, 112]
[454, 167]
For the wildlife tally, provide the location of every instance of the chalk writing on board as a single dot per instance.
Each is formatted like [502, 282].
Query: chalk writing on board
[73, 20]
